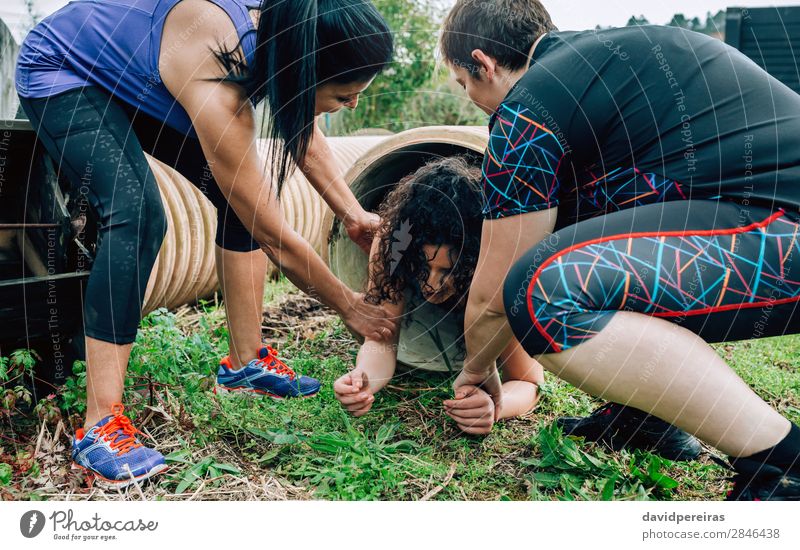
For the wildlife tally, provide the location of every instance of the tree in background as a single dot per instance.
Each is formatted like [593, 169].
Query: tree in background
[633, 21]
[413, 91]
[714, 24]
[33, 16]
[679, 20]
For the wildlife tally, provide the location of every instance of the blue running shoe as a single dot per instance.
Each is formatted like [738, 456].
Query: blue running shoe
[265, 375]
[112, 453]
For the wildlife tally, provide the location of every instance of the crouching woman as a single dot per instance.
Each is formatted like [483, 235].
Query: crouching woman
[434, 216]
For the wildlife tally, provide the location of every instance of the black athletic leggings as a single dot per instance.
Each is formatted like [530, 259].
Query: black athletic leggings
[723, 270]
[99, 143]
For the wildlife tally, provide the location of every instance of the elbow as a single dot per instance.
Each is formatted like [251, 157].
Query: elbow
[276, 245]
[484, 304]
[270, 246]
[532, 406]
[534, 400]
[530, 391]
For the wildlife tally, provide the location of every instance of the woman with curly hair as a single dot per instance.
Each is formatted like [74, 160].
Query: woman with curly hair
[427, 247]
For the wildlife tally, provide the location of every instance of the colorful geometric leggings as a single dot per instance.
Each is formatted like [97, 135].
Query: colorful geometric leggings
[723, 270]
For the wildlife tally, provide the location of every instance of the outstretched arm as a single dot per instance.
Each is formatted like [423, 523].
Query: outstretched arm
[225, 123]
[487, 332]
[522, 376]
[521, 186]
[376, 361]
[324, 174]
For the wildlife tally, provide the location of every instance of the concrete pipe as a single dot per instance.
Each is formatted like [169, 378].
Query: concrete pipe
[300, 202]
[428, 340]
[185, 268]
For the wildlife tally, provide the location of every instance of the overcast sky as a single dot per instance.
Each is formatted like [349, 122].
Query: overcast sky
[568, 14]
[586, 14]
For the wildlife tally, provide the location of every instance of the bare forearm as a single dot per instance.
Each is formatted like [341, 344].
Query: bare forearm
[225, 124]
[503, 242]
[303, 267]
[487, 335]
[379, 361]
[324, 174]
[519, 397]
[289, 251]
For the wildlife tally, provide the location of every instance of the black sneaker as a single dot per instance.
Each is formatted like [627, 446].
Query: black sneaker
[758, 481]
[621, 427]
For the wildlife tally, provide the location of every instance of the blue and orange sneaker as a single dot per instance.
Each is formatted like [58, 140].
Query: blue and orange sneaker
[265, 375]
[111, 452]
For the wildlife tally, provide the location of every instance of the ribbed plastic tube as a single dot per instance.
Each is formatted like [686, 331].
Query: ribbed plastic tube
[185, 268]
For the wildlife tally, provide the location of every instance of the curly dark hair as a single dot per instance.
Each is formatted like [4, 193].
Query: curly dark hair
[439, 204]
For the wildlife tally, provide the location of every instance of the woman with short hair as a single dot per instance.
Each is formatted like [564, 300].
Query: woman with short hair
[641, 201]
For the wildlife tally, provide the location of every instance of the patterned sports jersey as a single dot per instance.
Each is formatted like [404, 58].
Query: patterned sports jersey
[609, 120]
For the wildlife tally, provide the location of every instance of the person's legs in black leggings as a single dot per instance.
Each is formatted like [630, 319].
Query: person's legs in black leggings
[184, 154]
[623, 306]
[90, 139]
[241, 265]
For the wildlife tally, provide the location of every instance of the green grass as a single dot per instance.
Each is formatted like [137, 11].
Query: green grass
[406, 448]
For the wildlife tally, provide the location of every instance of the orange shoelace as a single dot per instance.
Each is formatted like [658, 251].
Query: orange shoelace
[119, 431]
[273, 363]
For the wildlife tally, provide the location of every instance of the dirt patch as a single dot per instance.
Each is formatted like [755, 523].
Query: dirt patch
[294, 317]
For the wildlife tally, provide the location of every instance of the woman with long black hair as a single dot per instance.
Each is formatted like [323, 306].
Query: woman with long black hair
[103, 82]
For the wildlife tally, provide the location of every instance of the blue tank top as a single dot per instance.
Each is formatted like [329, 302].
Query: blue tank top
[113, 44]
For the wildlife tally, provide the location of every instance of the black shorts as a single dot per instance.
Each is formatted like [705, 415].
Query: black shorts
[723, 270]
